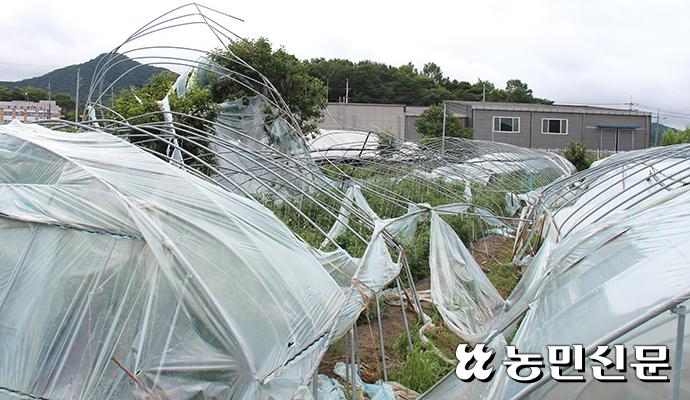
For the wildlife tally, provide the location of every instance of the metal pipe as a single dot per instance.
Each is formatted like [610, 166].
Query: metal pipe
[678, 359]
[353, 362]
[347, 356]
[380, 328]
[364, 145]
[404, 314]
[315, 384]
[410, 280]
[443, 131]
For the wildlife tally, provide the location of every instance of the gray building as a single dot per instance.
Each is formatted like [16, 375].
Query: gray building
[412, 114]
[366, 117]
[396, 119]
[554, 126]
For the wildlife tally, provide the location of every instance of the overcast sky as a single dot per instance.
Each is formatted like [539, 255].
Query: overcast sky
[576, 51]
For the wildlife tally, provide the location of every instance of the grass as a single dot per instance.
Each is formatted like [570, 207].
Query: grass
[504, 277]
[421, 370]
[502, 274]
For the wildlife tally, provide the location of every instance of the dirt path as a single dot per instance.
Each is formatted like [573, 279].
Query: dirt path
[368, 344]
[490, 250]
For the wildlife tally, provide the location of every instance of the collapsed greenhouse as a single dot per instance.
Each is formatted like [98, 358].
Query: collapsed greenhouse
[174, 256]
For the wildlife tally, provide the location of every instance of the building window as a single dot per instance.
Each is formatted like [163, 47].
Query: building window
[507, 124]
[554, 126]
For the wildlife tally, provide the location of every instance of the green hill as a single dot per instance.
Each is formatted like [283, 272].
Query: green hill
[653, 130]
[64, 79]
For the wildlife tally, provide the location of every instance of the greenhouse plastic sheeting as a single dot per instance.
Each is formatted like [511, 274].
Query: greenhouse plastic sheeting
[344, 144]
[565, 166]
[479, 169]
[353, 198]
[482, 168]
[458, 173]
[340, 265]
[404, 229]
[532, 196]
[467, 301]
[173, 151]
[359, 278]
[612, 282]
[618, 189]
[375, 391]
[404, 226]
[109, 255]
[249, 139]
[330, 389]
[375, 270]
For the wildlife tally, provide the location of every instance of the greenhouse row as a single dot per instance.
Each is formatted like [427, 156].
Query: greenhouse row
[231, 255]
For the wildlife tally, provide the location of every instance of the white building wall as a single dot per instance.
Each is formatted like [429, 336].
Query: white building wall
[29, 111]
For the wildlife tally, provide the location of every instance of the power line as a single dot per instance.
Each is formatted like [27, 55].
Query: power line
[641, 107]
[680, 114]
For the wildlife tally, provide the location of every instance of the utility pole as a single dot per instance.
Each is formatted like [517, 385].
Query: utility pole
[347, 91]
[443, 131]
[48, 116]
[76, 100]
[656, 134]
[484, 92]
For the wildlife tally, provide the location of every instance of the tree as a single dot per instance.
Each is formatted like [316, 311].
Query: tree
[303, 94]
[65, 101]
[518, 92]
[333, 73]
[373, 82]
[4, 94]
[576, 153]
[35, 94]
[430, 124]
[196, 105]
[433, 71]
[671, 136]
[515, 91]
[367, 82]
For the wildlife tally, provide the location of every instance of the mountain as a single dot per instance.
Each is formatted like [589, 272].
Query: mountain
[653, 131]
[64, 79]
[662, 127]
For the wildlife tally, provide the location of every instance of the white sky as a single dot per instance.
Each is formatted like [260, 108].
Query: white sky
[574, 51]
